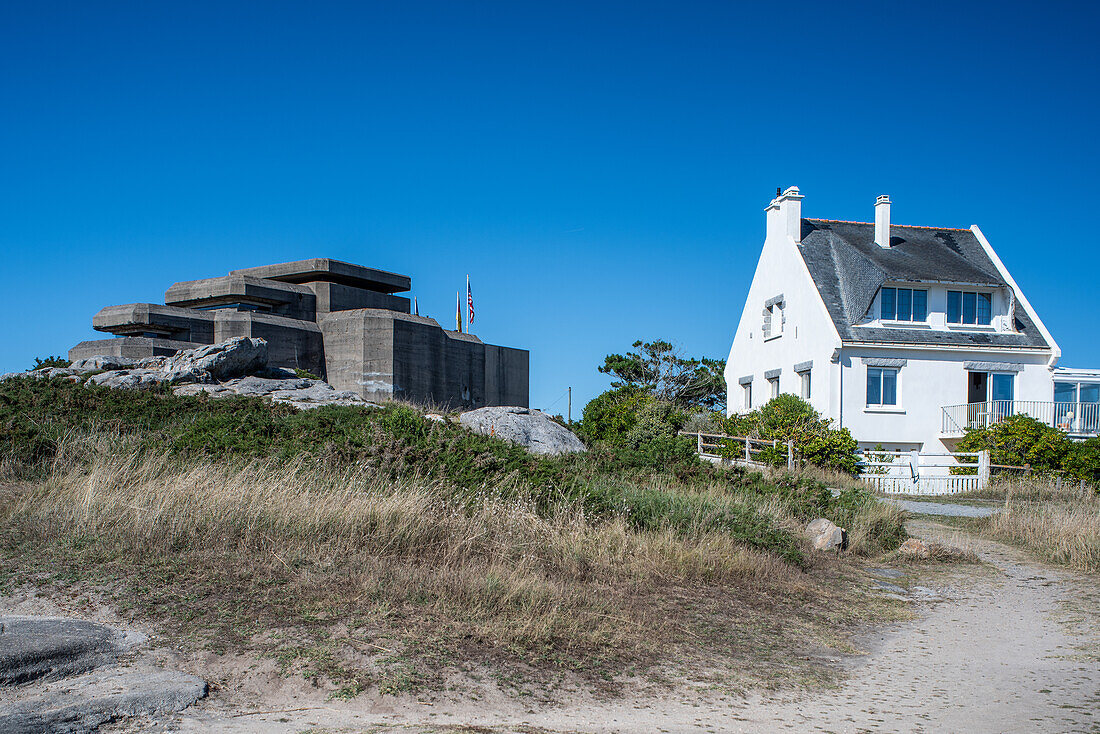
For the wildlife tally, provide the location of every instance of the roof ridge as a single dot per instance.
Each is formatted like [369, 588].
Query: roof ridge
[871, 224]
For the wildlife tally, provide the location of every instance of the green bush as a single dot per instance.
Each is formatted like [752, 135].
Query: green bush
[52, 361]
[1020, 440]
[788, 417]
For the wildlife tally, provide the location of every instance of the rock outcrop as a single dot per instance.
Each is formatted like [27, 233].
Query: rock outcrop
[234, 367]
[299, 392]
[825, 536]
[532, 429]
[64, 675]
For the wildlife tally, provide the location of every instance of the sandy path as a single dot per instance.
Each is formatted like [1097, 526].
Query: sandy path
[1015, 648]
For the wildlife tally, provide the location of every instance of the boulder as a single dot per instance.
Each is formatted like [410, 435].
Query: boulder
[825, 536]
[531, 429]
[234, 357]
[64, 675]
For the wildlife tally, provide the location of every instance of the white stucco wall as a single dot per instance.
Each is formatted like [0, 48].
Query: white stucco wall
[808, 333]
[929, 381]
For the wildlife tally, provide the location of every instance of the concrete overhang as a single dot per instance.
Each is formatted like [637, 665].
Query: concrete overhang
[236, 289]
[148, 318]
[333, 271]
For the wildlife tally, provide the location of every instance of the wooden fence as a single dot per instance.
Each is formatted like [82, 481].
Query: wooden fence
[890, 472]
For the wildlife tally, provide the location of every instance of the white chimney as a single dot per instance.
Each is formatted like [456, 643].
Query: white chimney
[785, 215]
[882, 221]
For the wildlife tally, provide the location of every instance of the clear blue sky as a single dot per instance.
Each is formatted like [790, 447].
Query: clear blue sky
[599, 169]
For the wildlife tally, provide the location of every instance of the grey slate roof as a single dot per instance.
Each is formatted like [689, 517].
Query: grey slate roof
[849, 268]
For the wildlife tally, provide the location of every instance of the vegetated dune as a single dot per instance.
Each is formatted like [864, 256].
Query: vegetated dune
[379, 549]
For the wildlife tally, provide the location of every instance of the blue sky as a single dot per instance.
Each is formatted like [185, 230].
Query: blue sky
[599, 169]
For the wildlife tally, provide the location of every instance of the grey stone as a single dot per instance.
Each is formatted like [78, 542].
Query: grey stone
[299, 392]
[139, 379]
[234, 357]
[826, 536]
[62, 675]
[87, 702]
[104, 362]
[46, 647]
[532, 429]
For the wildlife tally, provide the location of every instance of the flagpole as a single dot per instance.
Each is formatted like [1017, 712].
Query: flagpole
[467, 303]
[458, 312]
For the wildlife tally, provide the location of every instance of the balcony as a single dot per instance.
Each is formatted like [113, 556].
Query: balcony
[1080, 420]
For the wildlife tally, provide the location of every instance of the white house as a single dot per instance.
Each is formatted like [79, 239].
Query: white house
[904, 335]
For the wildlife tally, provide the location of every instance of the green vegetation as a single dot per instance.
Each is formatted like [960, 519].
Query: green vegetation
[305, 374]
[353, 531]
[658, 370]
[52, 361]
[1021, 440]
[788, 417]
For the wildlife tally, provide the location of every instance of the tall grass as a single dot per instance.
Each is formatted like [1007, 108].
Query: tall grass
[1061, 524]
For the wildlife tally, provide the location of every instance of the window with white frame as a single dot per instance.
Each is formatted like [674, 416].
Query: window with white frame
[805, 379]
[882, 387]
[966, 307]
[747, 391]
[774, 383]
[903, 304]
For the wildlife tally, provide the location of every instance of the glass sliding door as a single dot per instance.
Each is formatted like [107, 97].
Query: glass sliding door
[1002, 393]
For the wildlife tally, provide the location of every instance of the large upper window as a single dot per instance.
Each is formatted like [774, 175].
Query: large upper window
[964, 307]
[882, 386]
[903, 304]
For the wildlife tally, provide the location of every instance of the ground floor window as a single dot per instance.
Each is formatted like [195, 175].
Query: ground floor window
[747, 388]
[774, 382]
[805, 378]
[882, 386]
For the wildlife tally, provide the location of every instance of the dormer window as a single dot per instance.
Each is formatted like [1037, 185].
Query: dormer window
[903, 304]
[964, 307]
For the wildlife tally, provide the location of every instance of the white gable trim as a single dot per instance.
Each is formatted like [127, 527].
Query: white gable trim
[1055, 350]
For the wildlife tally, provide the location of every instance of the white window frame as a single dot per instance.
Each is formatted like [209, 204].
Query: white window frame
[747, 395]
[894, 407]
[774, 383]
[806, 383]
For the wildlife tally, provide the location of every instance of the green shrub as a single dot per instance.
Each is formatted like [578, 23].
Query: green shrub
[52, 361]
[1020, 440]
[305, 374]
[788, 417]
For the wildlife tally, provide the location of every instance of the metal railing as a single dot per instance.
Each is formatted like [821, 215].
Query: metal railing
[1079, 419]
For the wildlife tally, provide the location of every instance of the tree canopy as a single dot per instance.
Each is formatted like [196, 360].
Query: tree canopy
[658, 368]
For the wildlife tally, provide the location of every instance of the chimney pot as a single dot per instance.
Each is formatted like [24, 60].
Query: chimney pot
[882, 221]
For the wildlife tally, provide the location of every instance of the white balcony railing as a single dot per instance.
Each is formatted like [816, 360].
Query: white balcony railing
[1077, 419]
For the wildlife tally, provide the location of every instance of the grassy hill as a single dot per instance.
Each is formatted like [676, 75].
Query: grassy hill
[376, 548]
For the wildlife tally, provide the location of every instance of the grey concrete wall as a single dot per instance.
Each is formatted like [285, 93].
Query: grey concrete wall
[133, 347]
[359, 351]
[291, 343]
[167, 322]
[333, 271]
[507, 376]
[337, 297]
[383, 354]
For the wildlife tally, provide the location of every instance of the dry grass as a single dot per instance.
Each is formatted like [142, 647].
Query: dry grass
[1061, 524]
[363, 581]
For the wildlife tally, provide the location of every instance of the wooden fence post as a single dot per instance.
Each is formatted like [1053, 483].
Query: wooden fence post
[983, 468]
[700, 443]
[790, 453]
[748, 456]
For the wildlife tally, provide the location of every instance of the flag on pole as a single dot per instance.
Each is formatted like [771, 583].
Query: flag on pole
[469, 305]
[458, 311]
